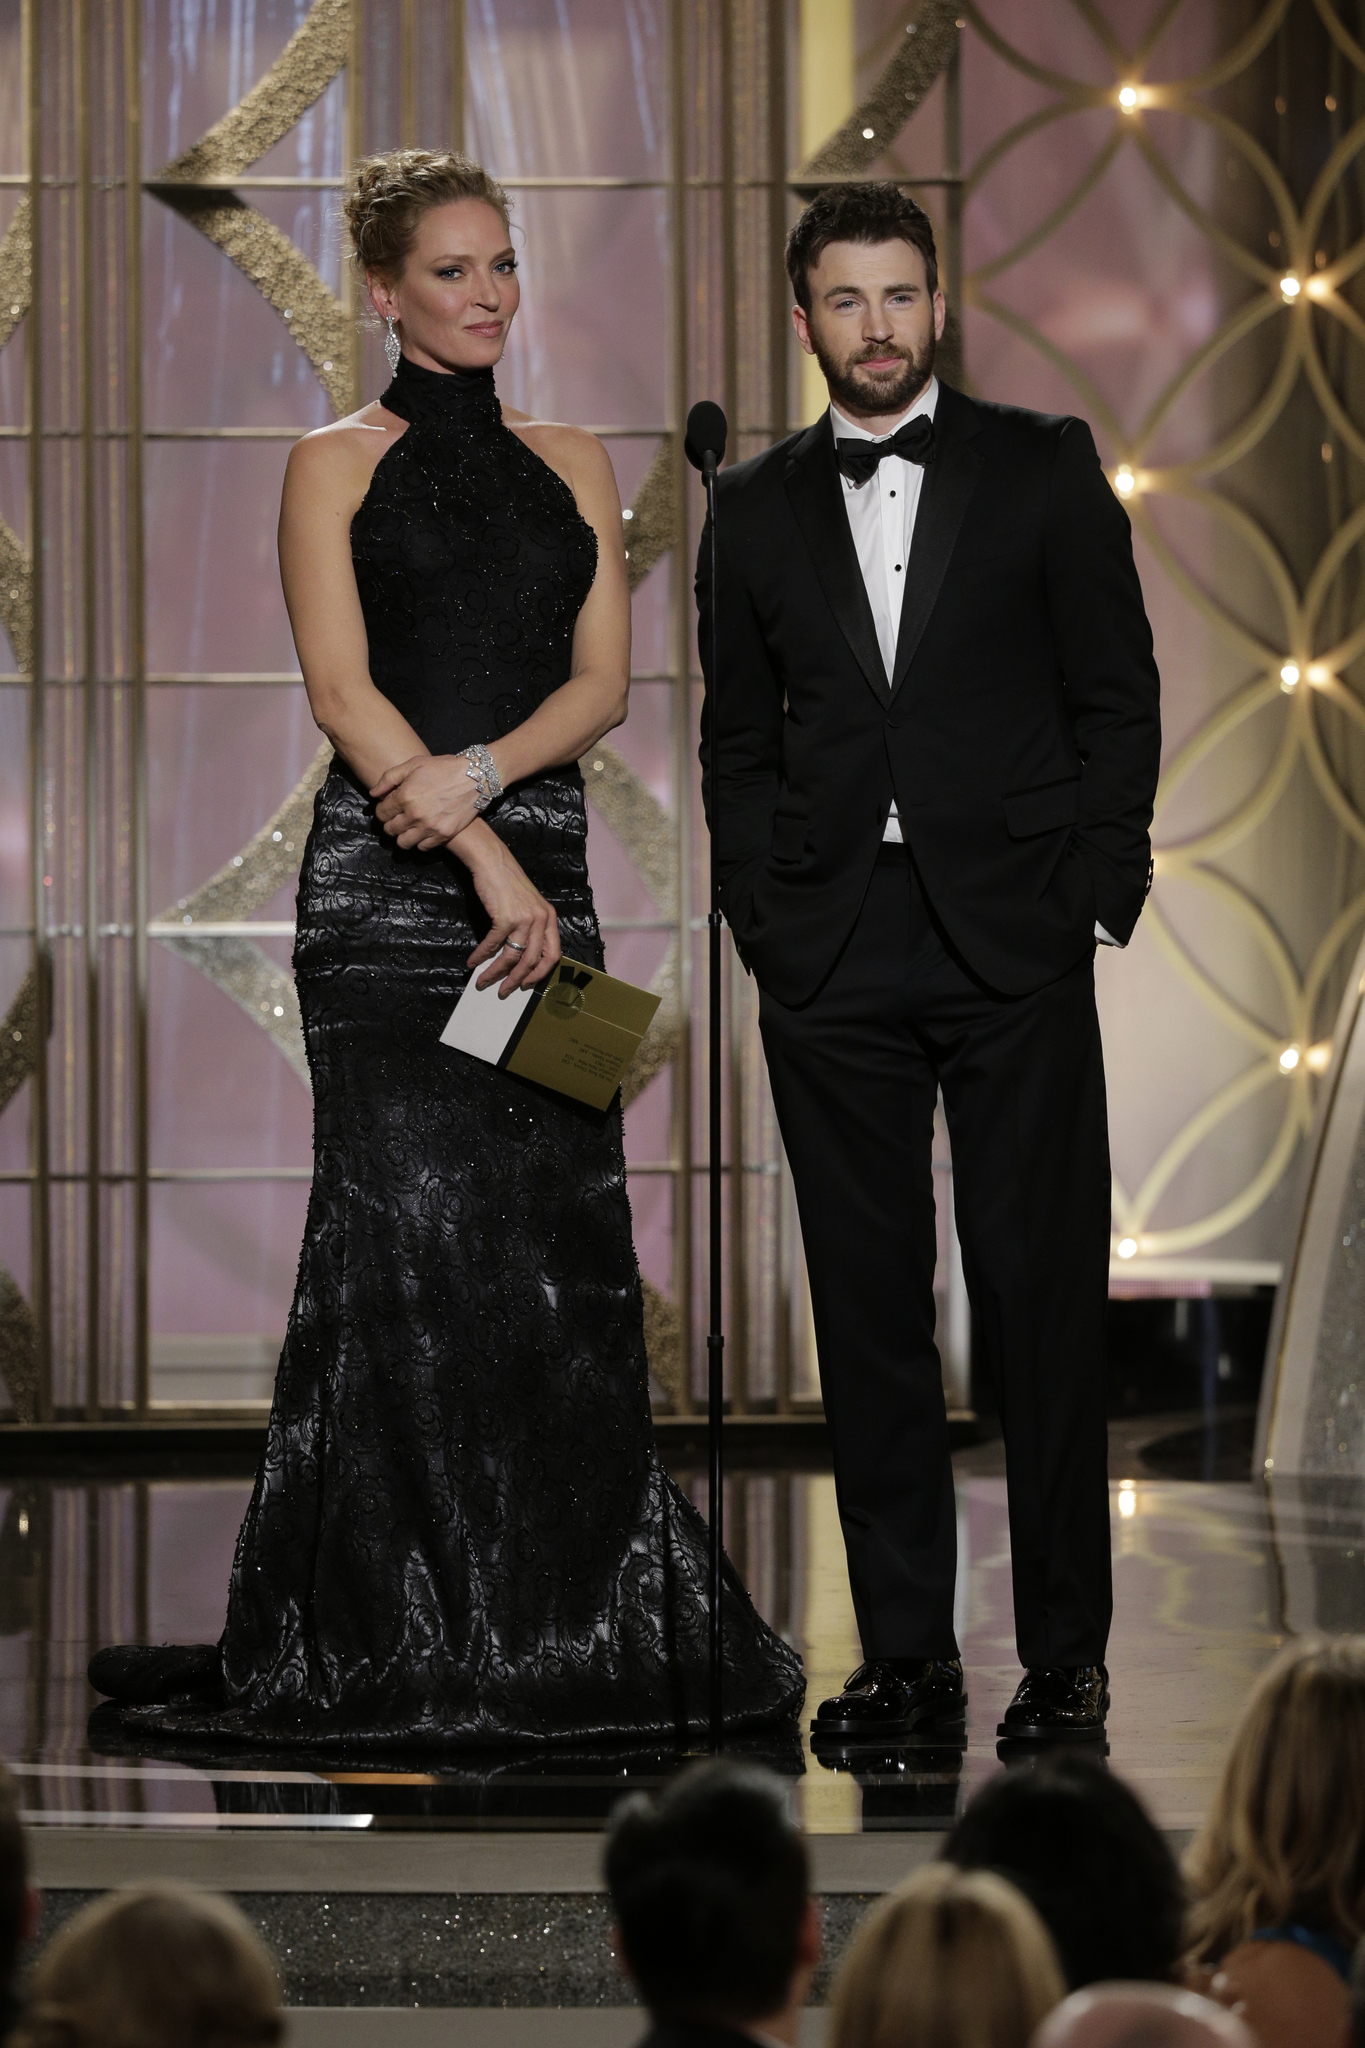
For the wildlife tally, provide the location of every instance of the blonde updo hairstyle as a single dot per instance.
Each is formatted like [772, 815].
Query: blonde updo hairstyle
[387, 196]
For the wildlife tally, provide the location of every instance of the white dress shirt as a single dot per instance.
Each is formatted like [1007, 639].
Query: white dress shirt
[881, 518]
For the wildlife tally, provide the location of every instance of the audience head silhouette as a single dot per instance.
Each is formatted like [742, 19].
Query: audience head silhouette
[1142, 2016]
[954, 1958]
[710, 1888]
[1284, 1841]
[156, 1968]
[1080, 1847]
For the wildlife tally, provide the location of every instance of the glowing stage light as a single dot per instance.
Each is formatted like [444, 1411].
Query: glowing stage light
[1128, 98]
[1125, 483]
[1127, 1247]
[1127, 1498]
[1289, 1059]
[1289, 676]
[1290, 287]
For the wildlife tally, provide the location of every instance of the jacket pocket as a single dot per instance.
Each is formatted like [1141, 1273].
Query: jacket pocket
[789, 835]
[1047, 808]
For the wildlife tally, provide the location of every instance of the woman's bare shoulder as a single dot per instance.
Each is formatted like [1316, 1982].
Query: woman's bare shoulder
[571, 452]
[1289, 1997]
[562, 446]
[335, 462]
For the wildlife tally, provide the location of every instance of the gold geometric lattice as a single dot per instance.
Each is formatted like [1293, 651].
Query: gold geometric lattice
[19, 1030]
[1296, 277]
[282, 275]
[16, 570]
[928, 42]
[16, 595]
[302, 72]
[16, 269]
[18, 1332]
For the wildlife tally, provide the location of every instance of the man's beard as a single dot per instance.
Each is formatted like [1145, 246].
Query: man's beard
[882, 396]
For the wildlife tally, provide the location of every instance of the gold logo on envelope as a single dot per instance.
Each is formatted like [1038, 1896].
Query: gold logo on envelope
[580, 1033]
[564, 999]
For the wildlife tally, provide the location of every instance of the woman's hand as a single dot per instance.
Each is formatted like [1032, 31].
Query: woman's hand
[426, 801]
[523, 940]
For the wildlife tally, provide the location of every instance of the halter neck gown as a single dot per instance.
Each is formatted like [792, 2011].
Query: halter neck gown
[460, 1534]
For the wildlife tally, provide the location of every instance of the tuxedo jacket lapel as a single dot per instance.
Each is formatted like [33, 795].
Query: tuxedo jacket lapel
[949, 481]
[815, 493]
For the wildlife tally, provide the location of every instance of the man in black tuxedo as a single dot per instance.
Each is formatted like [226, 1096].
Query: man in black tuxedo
[929, 760]
[715, 1925]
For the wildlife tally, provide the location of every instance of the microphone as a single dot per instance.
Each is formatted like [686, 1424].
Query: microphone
[704, 446]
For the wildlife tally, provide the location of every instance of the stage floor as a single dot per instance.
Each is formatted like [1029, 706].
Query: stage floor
[1208, 1579]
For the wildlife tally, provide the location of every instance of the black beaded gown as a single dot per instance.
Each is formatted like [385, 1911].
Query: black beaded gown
[460, 1534]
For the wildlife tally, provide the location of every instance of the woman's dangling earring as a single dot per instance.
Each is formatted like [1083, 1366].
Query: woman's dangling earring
[391, 345]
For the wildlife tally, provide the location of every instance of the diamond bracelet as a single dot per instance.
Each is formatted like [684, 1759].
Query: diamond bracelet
[482, 772]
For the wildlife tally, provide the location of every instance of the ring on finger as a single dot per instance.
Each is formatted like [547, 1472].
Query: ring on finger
[516, 948]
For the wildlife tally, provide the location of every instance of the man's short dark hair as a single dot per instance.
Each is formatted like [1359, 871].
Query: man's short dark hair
[857, 213]
[1082, 1848]
[709, 1882]
[13, 1879]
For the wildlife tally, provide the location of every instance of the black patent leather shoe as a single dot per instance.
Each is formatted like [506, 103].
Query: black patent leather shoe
[1060, 1703]
[884, 1699]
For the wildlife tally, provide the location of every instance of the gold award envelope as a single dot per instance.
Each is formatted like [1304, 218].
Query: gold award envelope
[577, 1031]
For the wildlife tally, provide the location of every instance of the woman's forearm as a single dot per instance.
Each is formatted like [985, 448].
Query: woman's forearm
[426, 800]
[369, 732]
[561, 729]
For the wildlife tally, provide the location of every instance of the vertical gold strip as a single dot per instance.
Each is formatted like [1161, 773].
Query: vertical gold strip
[85, 263]
[41, 1250]
[682, 709]
[779, 347]
[779, 335]
[729, 271]
[737, 1343]
[952, 198]
[355, 143]
[63, 730]
[827, 95]
[137, 677]
[114, 827]
[407, 73]
[457, 64]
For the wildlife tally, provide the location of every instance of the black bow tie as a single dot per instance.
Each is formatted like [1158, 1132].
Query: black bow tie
[914, 442]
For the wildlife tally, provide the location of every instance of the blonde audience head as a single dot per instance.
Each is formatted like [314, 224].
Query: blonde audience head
[1284, 1841]
[154, 1968]
[951, 1959]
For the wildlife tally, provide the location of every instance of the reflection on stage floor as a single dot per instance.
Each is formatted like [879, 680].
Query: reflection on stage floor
[1209, 1577]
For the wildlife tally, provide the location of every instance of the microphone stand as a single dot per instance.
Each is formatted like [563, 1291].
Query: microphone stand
[715, 1340]
[704, 446]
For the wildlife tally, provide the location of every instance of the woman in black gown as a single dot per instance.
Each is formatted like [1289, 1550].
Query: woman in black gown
[460, 1533]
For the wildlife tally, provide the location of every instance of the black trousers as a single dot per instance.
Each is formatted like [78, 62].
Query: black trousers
[855, 1075]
